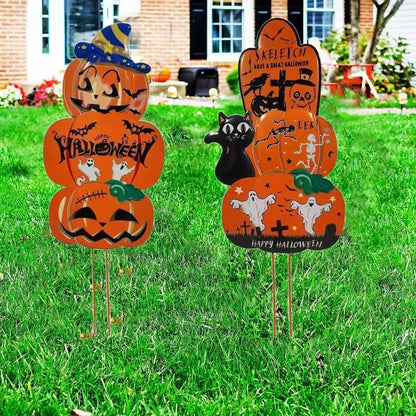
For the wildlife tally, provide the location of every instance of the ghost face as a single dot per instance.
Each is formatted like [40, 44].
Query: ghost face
[302, 95]
[311, 201]
[252, 196]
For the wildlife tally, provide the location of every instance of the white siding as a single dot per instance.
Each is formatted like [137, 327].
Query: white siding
[403, 24]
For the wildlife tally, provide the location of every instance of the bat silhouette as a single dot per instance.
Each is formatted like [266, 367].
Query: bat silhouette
[134, 111]
[249, 68]
[273, 37]
[290, 189]
[83, 131]
[135, 129]
[134, 94]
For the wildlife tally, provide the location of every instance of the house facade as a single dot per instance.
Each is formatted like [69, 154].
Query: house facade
[38, 36]
[403, 25]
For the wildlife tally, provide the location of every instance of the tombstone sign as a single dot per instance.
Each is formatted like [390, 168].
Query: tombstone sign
[104, 155]
[280, 74]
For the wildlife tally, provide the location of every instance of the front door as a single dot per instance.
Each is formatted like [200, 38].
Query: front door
[55, 27]
[84, 18]
[45, 38]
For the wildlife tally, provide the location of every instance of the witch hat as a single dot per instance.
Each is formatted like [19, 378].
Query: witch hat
[110, 45]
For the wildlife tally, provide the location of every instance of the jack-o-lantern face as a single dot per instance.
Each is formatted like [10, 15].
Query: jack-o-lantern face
[102, 215]
[104, 88]
[261, 105]
[302, 95]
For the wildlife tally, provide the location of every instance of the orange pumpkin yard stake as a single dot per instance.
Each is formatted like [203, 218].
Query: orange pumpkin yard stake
[279, 199]
[104, 155]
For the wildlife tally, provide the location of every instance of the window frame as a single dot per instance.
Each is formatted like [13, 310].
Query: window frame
[338, 15]
[45, 17]
[247, 28]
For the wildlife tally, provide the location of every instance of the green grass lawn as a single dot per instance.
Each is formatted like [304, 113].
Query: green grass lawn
[196, 336]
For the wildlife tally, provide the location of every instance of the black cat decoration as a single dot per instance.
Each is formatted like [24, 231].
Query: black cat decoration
[234, 135]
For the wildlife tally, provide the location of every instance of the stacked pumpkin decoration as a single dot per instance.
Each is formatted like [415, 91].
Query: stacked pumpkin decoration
[280, 201]
[104, 156]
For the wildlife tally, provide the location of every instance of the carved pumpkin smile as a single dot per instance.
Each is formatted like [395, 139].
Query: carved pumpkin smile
[102, 235]
[102, 215]
[79, 104]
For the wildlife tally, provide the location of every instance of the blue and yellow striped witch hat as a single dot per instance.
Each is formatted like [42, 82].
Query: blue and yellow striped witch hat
[110, 46]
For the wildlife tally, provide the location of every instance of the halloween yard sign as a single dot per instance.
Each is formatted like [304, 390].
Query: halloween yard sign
[104, 155]
[276, 157]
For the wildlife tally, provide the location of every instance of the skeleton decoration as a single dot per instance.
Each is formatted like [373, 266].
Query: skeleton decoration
[104, 155]
[286, 205]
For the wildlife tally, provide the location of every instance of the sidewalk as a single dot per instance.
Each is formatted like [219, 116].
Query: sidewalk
[188, 101]
[362, 111]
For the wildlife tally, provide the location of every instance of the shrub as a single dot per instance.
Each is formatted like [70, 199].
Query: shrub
[391, 71]
[232, 81]
[48, 93]
[11, 95]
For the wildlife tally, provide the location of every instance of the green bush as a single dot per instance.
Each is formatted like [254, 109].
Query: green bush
[392, 73]
[232, 81]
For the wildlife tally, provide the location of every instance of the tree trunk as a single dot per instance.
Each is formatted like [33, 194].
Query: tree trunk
[353, 32]
[381, 21]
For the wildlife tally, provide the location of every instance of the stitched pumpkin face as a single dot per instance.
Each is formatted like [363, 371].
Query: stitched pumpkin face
[102, 215]
[104, 88]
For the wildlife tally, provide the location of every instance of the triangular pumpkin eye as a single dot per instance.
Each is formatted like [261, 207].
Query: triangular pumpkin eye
[123, 215]
[85, 212]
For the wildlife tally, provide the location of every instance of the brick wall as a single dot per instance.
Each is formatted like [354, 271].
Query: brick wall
[366, 15]
[13, 40]
[279, 8]
[164, 31]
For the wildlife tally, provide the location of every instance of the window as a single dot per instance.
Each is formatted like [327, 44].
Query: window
[45, 26]
[221, 29]
[226, 28]
[320, 18]
[82, 22]
[116, 11]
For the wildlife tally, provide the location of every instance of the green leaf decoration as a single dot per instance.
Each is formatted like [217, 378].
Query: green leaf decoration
[310, 182]
[124, 192]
